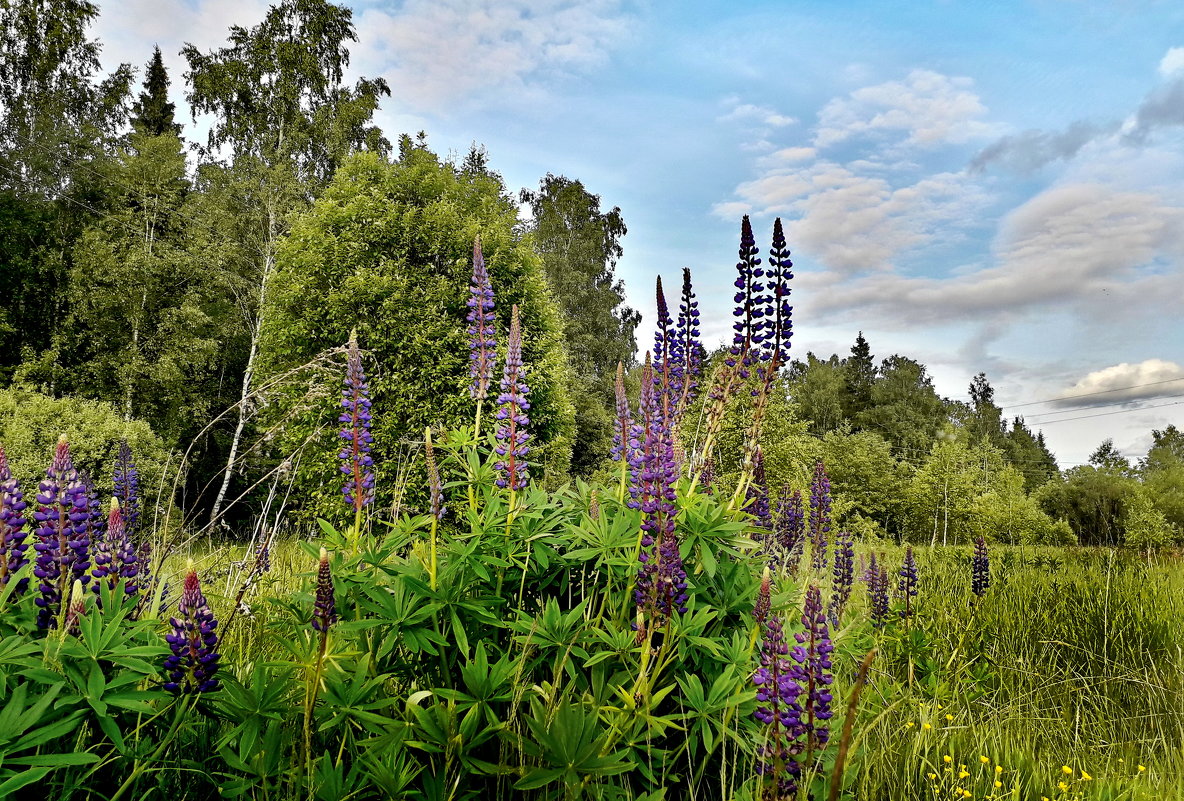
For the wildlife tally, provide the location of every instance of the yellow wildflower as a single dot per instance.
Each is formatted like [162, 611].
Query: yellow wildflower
[1065, 769]
[932, 776]
[949, 717]
[947, 759]
[1085, 776]
[926, 726]
[998, 783]
[1064, 788]
[909, 725]
[962, 774]
[998, 768]
[984, 760]
[1142, 768]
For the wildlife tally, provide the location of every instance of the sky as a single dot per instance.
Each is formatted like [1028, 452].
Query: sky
[982, 186]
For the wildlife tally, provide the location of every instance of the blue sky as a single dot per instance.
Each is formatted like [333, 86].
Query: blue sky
[982, 186]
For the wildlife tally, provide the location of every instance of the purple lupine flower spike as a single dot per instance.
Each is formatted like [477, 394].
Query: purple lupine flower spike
[262, 555]
[748, 327]
[76, 608]
[624, 433]
[757, 502]
[980, 568]
[789, 531]
[707, 476]
[482, 338]
[12, 524]
[778, 708]
[877, 593]
[689, 365]
[814, 672]
[660, 591]
[324, 613]
[844, 577]
[115, 554]
[906, 585]
[665, 355]
[63, 544]
[778, 313]
[512, 433]
[819, 517]
[127, 489]
[193, 664]
[357, 464]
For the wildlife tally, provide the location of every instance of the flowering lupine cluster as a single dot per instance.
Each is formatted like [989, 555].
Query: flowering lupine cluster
[12, 523]
[814, 671]
[63, 536]
[357, 464]
[482, 338]
[193, 663]
[758, 499]
[626, 435]
[688, 362]
[980, 569]
[778, 708]
[435, 488]
[876, 578]
[906, 584]
[127, 489]
[115, 554]
[96, 519]
[262, 563]
[324, 612]
[512, 434]
[749, 325]
[661, 580]
[707, 476]
[778, 322]
[665, 355]
[843, 577]
[789, 529]
[819, 516]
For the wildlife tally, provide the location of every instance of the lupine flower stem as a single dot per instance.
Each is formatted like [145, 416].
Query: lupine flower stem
[437, 501]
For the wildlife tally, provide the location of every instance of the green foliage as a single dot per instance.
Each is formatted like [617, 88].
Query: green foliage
[387, 251]
[1146, 527]
[1092, 499]
[866, 479]
[579, 246]
[30, 424]
[1006, 514]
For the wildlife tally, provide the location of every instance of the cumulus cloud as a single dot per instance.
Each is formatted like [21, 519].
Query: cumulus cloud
[1172, 62]
[1079, 245]
[1163, 108]
[929, 107]
[747, 112]
[852, 222]
[1145, 380]
[436, 53]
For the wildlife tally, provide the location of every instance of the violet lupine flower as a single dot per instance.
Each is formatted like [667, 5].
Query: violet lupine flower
[843, 576]
[512, 435]
[63, 543]
[115, 554]
[707, 476]
[778, 710]
[12, 524]
[482, 338]
[262, 555]
[625, 434]
[661, 581]
[757, 502]
[877, 594]
[749, 312]
[435, 488]
[689, 364]
[789, 528]
[193, 663]
[357, 464]
[127, 489]
[813, 671]
[778, 314]
[906, 585]
[97, 519]
[324, 613]
[819, 516]
[981, 569]
[665, 356]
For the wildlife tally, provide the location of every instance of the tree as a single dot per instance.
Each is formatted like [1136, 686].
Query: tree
[579, 245]
[58, 119]
[1146, 527]
[942, 494]
[281, 109]
[985, 421]
[1162, 470]
[1030, 455]
[866, 476]
[860, 376]
[1093, 500]
[152, 114]
[905, 410]
[387, 250]
[1107, 457]
[819, 389]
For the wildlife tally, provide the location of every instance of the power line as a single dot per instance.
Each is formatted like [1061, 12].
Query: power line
[1107, 414]
[1091, 394]
[1103, 406]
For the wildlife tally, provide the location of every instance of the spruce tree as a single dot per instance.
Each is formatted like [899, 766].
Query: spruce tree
[153, 111]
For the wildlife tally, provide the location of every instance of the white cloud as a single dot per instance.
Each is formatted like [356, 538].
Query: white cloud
[437, 53]
[929, 107]
[1152, 378]
[1078, 246]
[747, 112]
[1172, 62]
[792, 155]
